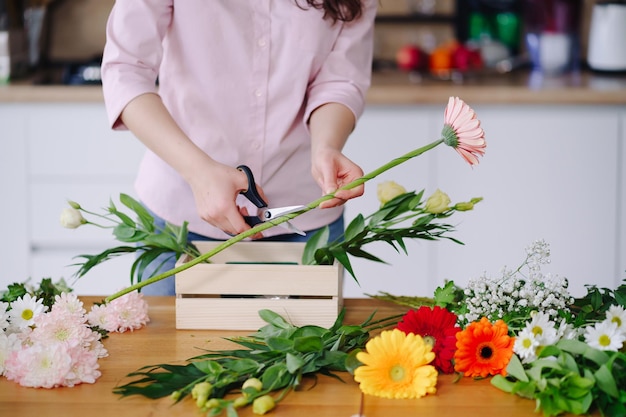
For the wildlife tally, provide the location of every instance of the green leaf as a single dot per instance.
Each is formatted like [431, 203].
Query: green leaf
[280, 343]
[308, 344]
[146, 219]
[317, 240]
[209, 367]
[606, 382]
[274, 319]
[503, 384]
[355, 228]
[294, 362]
[516, 369]
[352, 362]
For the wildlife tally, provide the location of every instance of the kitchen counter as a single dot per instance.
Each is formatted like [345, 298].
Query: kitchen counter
[394, 88]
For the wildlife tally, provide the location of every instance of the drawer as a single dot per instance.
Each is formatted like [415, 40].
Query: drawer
[75, 140]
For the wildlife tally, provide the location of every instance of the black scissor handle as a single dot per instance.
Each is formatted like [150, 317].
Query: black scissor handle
[251, 193]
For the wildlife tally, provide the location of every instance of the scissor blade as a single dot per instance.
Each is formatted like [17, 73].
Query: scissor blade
[292, 228]
[272, 213]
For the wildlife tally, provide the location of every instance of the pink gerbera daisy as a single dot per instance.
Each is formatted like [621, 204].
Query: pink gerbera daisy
[462, 130]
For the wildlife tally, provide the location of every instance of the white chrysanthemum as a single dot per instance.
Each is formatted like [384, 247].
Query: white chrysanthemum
[617, 315]
[4, 316]
[543, 328]
[526, 345]
[24, 310]
[604, 336]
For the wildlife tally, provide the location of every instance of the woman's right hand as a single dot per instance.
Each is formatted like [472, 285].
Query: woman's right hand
[215, 188]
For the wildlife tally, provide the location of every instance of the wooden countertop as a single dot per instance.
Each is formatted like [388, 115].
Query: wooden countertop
[394, 88]
[160, 342]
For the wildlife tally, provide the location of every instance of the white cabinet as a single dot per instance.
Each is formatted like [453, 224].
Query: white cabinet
[549, 172]
[51, 153]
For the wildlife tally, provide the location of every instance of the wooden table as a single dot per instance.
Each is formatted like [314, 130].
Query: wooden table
[160, 342]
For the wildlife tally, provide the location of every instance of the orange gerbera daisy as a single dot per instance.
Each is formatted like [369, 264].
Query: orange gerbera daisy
[462, 130]
[483, 349]
[395, 365]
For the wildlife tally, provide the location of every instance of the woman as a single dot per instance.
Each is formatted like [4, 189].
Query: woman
[276, 85]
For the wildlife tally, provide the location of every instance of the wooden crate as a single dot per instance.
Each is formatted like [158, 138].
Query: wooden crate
[249, 276]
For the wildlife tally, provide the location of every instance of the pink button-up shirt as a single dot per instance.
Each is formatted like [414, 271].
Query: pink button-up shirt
[241, 78]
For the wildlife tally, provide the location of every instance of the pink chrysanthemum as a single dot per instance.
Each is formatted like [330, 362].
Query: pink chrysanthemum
[61, 326]
[128, 312]
[462, 130]
[103, 317]
[70, 304]
[39, 365]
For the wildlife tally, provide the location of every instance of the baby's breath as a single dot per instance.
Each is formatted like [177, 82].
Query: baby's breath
[515, 294]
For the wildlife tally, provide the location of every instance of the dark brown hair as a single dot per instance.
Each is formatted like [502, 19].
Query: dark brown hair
[343, 10]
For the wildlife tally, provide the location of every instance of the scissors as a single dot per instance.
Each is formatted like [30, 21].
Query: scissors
[266, 213]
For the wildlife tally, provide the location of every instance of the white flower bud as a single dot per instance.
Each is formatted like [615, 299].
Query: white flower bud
[71, 218]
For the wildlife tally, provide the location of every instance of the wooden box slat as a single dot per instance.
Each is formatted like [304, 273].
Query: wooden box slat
[227, 293]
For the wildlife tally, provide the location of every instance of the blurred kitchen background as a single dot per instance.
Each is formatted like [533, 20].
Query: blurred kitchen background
[547, 79]
[60, 41]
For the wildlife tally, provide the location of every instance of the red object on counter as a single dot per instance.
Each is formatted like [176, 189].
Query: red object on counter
[411, 58]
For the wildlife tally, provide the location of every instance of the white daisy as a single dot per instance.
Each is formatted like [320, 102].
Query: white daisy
[616, 314]
[543, 328]
[526, 345]
[24, 310]
[604, 336]
[567, 331]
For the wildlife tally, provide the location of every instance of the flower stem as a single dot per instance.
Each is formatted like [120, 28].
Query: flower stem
[282, 219]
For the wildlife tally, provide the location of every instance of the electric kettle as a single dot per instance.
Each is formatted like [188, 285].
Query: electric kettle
[607, 36]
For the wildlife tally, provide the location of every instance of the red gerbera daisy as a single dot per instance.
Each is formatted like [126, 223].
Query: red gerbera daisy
[437, 326]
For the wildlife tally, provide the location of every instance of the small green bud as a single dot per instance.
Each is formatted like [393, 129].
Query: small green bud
[73, 204]
[467, 206]
[200, 392]
[175, 396]
[254, 383]
[240, 402]
[263, 404]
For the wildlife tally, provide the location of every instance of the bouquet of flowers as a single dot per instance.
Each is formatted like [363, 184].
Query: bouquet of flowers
[525, 330]
[48, 339]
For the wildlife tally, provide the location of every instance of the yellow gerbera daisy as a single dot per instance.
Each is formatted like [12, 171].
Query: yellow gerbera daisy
[395, 365]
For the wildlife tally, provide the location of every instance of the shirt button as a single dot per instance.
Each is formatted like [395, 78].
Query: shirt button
[258, 93]
[261, 42]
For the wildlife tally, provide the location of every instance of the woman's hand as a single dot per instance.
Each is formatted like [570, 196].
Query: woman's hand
[332, 170]
[330, 126]
[215, 186]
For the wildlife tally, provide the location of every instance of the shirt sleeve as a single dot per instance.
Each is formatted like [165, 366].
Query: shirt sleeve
[346, 73]
[132, 53]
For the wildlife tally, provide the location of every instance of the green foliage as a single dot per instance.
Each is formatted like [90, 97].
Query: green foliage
[45, 291]
[279, 355]
[594, 305]
[570, 377]
[142, 238]
[401, 218]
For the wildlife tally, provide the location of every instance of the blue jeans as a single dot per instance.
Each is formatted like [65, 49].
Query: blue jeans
[167, 261]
